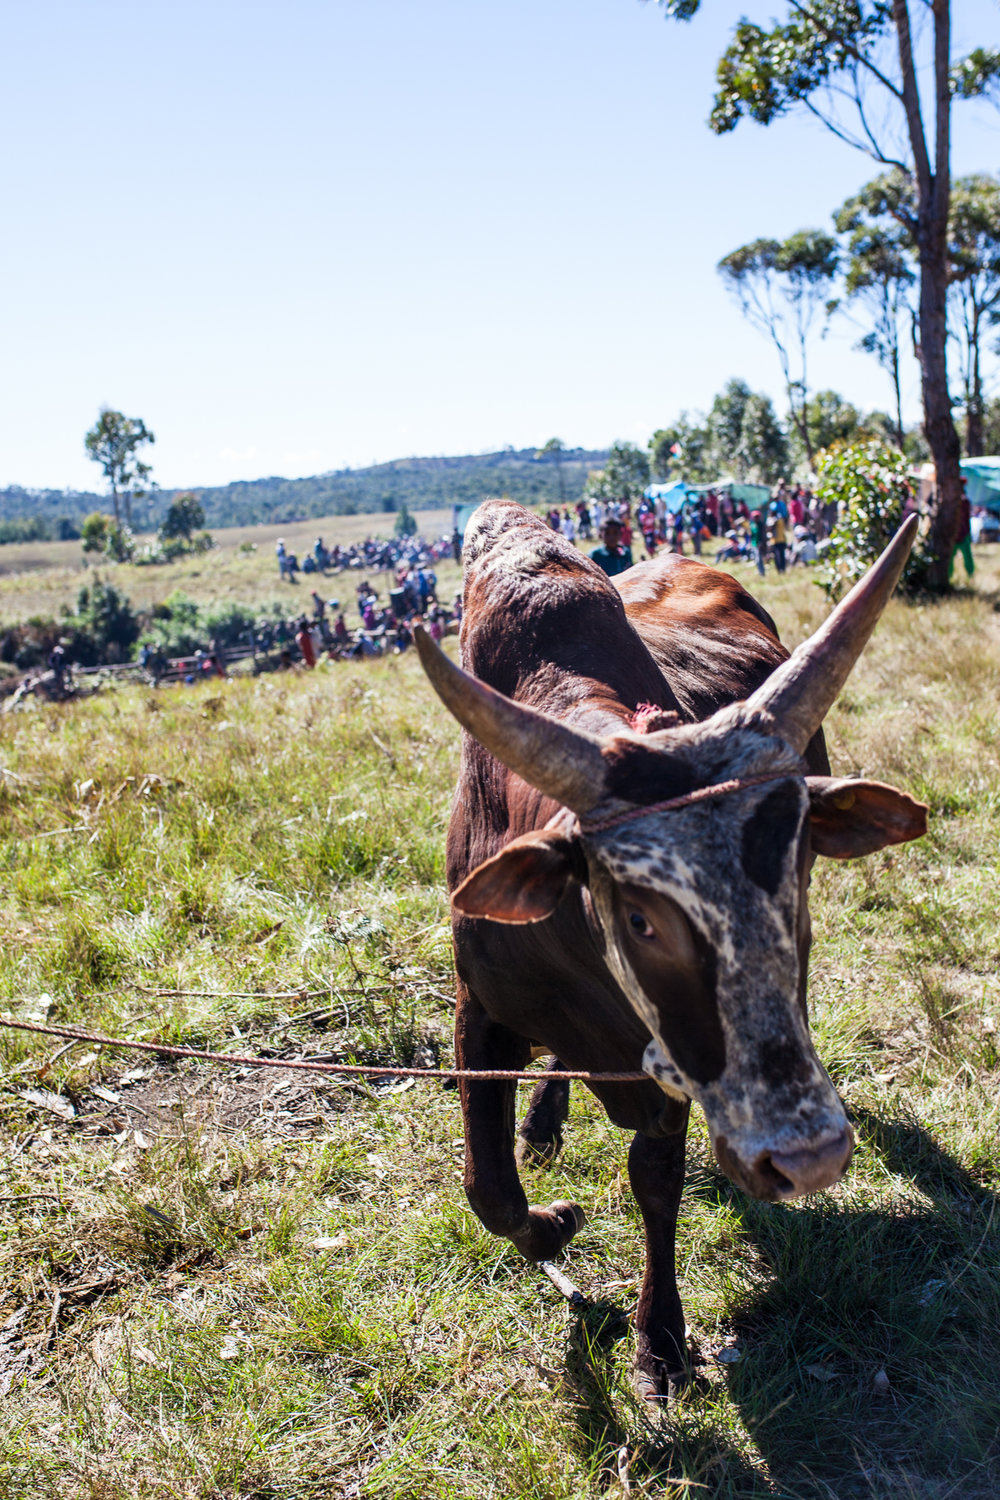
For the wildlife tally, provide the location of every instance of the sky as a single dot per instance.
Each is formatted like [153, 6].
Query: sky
[313, 234]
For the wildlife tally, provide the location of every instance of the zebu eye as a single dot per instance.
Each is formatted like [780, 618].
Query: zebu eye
[639, 925]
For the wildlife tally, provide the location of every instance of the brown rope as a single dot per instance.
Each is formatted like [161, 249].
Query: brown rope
[700, 794]
[357, 1070]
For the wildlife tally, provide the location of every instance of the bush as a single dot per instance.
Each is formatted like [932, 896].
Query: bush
[120, 543]
[94, 531]
[24, 529]
[405, 523]
[100, 533]
[870, 483]
[176, 628]
[229, 623]
[105, 627]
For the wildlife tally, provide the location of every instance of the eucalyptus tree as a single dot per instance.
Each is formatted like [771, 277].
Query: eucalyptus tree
[974, 256]
[682, 449]
[624, 477]
[873, 77]
[781, 286]
[113, 442]
[745, 437]
[880, 272]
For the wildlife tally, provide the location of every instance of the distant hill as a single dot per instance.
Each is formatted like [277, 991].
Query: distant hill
[418, 483]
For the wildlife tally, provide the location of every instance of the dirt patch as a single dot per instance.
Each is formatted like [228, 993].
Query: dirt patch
[163, 1098]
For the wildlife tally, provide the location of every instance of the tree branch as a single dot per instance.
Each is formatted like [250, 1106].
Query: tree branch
[876, 151]
[911, 97]
[942, 99]
[839, 132]
[842, 41]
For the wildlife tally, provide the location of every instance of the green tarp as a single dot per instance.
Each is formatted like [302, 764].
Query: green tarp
[754, 496]
[982, 481]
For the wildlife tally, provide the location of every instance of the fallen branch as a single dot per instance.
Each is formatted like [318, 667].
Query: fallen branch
[572, 1293]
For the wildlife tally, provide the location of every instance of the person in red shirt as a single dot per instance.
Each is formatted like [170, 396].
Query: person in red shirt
[304, 642]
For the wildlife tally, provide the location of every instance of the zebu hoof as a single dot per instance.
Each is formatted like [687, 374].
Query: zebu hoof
[549, 1230]
[658, 1377]
[570, 1213]
[541, 1151]
[656, 1387]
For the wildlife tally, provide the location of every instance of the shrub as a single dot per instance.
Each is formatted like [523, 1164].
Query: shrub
[94, 531]
[185, 515]
[405, 523]
[176, 627]
[100, 533]
[25, 529]
[120, 543]
[870, 483]
[106, 627]
[229, 623]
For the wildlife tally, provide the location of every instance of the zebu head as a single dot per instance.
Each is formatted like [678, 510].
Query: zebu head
[701, 904]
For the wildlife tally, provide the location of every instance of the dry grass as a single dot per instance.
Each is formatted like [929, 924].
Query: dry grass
[42, 578]
[231, 1287]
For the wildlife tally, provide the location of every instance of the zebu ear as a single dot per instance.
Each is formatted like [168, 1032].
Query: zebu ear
[524, 882]
[850, 818]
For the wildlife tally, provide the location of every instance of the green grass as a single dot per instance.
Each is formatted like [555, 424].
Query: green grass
[243, 1285]
[43, 578]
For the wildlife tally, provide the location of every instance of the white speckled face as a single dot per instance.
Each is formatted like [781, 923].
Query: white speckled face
[705, 923]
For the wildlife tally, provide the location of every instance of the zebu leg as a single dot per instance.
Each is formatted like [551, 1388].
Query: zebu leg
[656, 1172]
[539, 1139]
[492, 1185]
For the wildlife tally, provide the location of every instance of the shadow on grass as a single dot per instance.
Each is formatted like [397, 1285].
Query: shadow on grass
[870, 1337]
[660, 1451]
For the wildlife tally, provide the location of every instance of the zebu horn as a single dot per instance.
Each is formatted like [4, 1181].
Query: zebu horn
[801, 691]
[563, 763]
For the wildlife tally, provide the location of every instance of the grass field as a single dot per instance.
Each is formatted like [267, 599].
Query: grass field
[41, 578]
[222, 1284]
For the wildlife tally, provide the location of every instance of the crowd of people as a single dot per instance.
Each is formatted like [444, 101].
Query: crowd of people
[785, 530]
[384, 621]
[374, 554]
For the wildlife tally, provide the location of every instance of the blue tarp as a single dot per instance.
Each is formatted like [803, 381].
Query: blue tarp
[462, 514]
[982, 481]
[672, 495]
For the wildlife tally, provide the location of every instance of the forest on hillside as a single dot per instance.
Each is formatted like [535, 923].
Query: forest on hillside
[528, 475]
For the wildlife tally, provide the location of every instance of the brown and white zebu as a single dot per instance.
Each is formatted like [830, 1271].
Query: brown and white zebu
[594, 925]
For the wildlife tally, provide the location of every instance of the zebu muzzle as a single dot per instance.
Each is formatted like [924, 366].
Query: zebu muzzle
[717, 976]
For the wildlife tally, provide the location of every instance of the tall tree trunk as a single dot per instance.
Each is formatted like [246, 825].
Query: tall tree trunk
[933, 190]
[939, 426]
[114, 501]
[899, 395]
[974, 441]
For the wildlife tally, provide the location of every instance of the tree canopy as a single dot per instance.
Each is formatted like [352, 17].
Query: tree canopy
[113, 442]
[873, 78]
[780, 286]
[185, 515]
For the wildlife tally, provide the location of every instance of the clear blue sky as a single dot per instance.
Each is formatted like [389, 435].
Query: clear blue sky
[295, 236]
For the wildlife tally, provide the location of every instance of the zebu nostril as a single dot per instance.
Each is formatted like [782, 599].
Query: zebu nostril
[792, 1174]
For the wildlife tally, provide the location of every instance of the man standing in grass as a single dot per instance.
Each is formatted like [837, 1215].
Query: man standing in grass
[964, 542]
[612, 557]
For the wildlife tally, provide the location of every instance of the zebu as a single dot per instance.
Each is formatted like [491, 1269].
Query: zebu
[596, 924]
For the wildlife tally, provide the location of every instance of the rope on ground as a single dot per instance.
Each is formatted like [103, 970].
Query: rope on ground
[144, 989]
[302, 1065]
